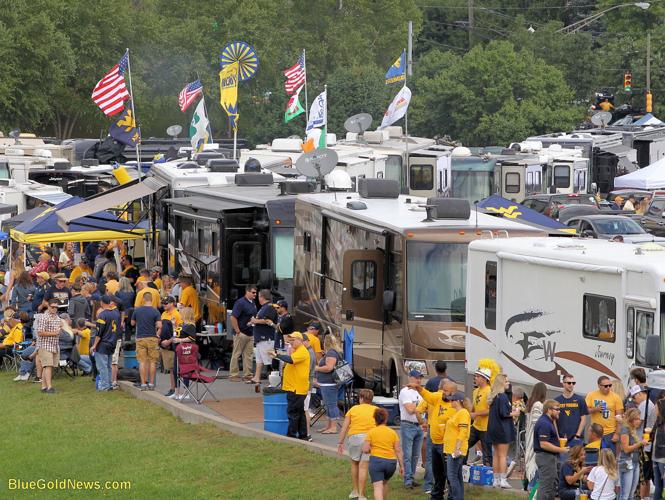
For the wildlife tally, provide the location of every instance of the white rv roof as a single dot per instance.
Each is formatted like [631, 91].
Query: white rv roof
[396, 215]
[583, 251]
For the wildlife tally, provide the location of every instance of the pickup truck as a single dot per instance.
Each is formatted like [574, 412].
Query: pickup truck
[653, 220]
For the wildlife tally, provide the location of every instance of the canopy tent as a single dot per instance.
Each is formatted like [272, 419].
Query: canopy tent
[43, 227]
[649, 177]
[496, 205]
[648, 119]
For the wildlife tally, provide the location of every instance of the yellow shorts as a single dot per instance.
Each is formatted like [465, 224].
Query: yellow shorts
[147, 350]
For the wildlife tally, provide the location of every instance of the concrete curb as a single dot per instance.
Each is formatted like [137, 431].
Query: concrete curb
[192, 415]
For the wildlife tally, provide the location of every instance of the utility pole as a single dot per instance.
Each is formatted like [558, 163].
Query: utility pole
[409, 50]
[470, 23]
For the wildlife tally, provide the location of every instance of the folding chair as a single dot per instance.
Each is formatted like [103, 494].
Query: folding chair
[189, 370]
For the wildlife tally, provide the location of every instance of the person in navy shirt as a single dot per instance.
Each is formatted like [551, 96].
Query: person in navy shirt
[244, 309]
[264, 333]
[108, 322]
[574, 411]
[546, 445]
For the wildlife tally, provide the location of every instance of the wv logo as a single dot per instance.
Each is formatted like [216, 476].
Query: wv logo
[549, 350]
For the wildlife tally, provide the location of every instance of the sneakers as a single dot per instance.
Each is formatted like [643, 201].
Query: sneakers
[23, 377]
[115, 386]
[37, 380]
[173, 395]
[504, 484]
[143, 387]
[354, 494]
[50, 390]
[151, 387]
[183, 397]
[170, 393]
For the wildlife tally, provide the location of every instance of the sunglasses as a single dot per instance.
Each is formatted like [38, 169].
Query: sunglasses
[556, 409]
[606, 385]
[570, 383]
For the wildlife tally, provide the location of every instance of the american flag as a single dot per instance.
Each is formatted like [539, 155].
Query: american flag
[110, 92]
[295, 76]
[189, 94]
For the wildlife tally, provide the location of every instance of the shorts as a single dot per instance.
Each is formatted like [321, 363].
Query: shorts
[261, 351]
[355, 447]
[167, 356]
[308, 398]
[47, 358]
[147, 350]
[116, 353]
[381, 469]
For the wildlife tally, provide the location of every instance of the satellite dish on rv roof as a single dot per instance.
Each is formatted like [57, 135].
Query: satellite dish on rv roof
[317, 163]
[358, 123]
[174, 130]
[601, 119]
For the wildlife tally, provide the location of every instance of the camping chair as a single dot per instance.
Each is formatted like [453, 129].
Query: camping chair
[189, 370]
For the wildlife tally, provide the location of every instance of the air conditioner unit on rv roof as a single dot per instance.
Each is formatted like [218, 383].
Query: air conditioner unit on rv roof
[373, 137]
[287, 145]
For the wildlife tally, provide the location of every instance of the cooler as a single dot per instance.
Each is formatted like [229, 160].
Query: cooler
[391, 405]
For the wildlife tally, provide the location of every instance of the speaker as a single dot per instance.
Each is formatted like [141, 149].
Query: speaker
[253, 179]
[451, 208]
[378, 188]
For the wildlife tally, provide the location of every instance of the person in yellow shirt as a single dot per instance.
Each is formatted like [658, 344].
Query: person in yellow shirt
[385, 453]
[112, 284]
[455, 444]
[143, 288]
[171, 313]
[314, 334]
[442, 411]
[189, 297]
[359, 420]
[14, 335]
[295, 381]
[82, 331]
[156, 276]
[83, 269]
[604, 407]
[144, 275]
[480, 410]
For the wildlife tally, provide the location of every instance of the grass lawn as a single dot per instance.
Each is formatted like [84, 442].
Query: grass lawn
[82, 435]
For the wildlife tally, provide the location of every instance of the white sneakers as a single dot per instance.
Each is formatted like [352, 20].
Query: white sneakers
[500, 481]
[23, 377]
[182, 397]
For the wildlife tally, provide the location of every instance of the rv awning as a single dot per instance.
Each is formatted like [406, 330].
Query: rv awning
[501, 207]
[8, 209]
[204, 203]
[113, 198]
[50, 198]
[618, 149]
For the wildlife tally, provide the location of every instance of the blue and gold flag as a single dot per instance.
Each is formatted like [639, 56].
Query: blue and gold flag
[397, 72]
[228, 90]
[124, 129]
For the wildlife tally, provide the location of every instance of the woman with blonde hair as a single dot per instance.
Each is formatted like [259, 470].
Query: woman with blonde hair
[603, 478]
[619, 389]
[572, 473]
[534, 410]
[629, 455]
[500, 428]
[326, 382]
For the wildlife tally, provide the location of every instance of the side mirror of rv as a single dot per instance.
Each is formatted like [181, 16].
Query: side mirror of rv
[265, 279]
[388, 300]
[652, 351]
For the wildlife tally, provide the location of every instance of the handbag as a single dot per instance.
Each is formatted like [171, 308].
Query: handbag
[343, 373]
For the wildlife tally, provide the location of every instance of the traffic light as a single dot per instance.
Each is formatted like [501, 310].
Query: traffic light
[649, 106]
[627, 81]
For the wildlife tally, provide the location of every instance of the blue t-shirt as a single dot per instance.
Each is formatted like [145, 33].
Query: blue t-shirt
[572, 410]
[265, 332]
[567, 470]
[327, 377]
[243, 310]
[432, 385]
[108, 322]
[544, 430]
[146, 317]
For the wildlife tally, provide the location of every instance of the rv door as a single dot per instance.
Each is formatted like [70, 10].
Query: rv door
[443, 175]
[580, 177]
[421, 174]
[513, 182]
[362, 308]
[534, 179]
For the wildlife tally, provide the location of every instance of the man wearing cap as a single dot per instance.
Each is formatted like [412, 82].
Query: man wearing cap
[40, 291]
[244, 309]
[455, 442]
[411, 433]
[156, 276]
[284, 324]
[47, 326]
[108, 323]
[547, 448]
[263, 333]
[480, 410]
[295, 381]
[640, 396]
[58, 291]
[171, 312]
[313, 332]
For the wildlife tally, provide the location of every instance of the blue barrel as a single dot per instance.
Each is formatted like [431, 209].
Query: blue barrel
[130, 359]
[275, 418]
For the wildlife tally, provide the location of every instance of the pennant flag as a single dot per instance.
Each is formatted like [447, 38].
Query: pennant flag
[397, 108]
[199, 129]
[110, 92]
[293, 107]
[295, 76]
[318, 112]
[124, 129]
[397, 72]
[189, 94]
[308, 145]
[228, 89]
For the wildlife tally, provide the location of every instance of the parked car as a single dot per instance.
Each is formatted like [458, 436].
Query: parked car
[653, 219]
[607, 227]
[549, 204]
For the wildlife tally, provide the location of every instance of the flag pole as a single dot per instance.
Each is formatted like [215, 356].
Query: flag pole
[131, 92]
[198, 77]
[304, 62]
[406, 122]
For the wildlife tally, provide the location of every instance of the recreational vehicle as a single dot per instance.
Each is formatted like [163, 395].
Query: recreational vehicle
[389, 271]
[546, 307]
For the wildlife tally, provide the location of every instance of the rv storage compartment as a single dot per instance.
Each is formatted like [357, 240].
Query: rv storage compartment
[253, 179]
[378, 188]
[450, 208]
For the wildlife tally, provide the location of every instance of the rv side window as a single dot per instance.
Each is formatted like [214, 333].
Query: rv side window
[600, 315]
[307, 242]
[512, 182]
[421, 177]
[643, 328]
[363, 280]
[490, 295]
[246, 262]
[562, 176]
[630, 332]
[579, 183]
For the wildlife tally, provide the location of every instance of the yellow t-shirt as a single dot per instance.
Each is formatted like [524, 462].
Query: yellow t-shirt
[84, 343]
[594, 445]
[77, 271]
[458, 427]
[189, 298]
[605, 418]
[141, 278]
[173, 315]
[158, 283]
[296, 374]
[425, 407]
[362, 418]
[15, 335]
[315, 342]
[112, 286]
[479, 403]
[442, 411]
[138, 302]
[382, 441]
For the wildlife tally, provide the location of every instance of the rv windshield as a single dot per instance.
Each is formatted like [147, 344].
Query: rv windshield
[283, 253]
[436, 281]
[472, 185]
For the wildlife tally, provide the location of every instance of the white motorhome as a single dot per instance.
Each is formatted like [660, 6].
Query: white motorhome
[546, 307]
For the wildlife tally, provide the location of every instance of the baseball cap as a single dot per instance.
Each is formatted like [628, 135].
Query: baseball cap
[457, 396]
[636, 389]
[415, 373]
[44, 275]
[106, 299]
[168, 300]
[315, 325]
[283, 303]
[296, 335]
[483, 372]
[156, 269]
